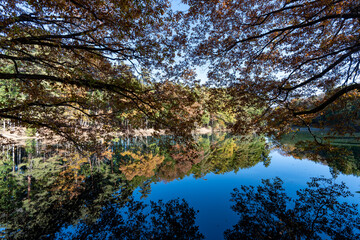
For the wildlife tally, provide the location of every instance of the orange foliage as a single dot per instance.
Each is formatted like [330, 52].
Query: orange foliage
[70, 180]
[141, 164]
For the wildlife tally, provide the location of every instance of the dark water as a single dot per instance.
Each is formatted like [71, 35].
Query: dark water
[145, 188]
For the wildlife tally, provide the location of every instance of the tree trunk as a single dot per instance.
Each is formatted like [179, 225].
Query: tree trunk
[29, 187]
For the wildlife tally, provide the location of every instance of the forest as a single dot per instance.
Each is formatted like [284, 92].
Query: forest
[80, 69]
[101, 100]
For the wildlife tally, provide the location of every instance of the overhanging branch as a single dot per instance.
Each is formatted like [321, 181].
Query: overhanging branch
[329, 100]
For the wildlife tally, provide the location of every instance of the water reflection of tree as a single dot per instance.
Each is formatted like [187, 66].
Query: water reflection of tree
[232, 154]
[63, 191]
[44, 195]
[179, 161]
[174, 219]
[60, 193]
[210, 153]
[266, 212]
[340, 153]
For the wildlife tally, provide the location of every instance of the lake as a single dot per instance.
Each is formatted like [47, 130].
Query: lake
[148, 188]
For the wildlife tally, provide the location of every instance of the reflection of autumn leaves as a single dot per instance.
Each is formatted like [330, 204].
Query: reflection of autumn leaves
[70, 180]
[107, 154]
[139, 164]
[184, 157]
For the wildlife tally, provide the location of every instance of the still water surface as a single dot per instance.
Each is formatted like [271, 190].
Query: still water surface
[142, 189]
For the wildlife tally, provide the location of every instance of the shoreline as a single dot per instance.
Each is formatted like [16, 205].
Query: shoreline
[18, 135]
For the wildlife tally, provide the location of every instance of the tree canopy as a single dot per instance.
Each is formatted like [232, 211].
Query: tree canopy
[278, 55]
[66, 63]
[84, 68]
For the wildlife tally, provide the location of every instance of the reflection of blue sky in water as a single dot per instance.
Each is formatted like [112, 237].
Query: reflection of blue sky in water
[211, 196]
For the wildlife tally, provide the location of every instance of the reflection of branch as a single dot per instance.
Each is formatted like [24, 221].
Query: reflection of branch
[316, 217]
[316, 212]
[307, 126]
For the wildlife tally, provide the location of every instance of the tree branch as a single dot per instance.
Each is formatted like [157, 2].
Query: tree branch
[326, 70]
[329, 100]
[297, 26]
